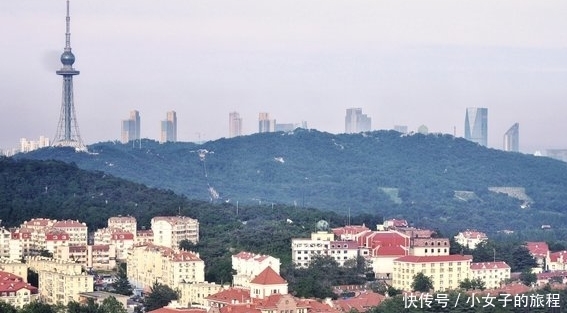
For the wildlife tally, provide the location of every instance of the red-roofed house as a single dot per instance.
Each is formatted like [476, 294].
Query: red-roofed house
[539, 250]
[446, 271]
[557, 261]
[228, 297]
[470, 238]
[492, 273]
[361, 302]
[248, 265]
[349, 232]
[267, 283]
[77, 231]
[15, 291]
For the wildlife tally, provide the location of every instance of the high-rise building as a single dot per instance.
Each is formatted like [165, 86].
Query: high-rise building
[169, 128]
[476, 125]
[265, 124]
[131, 127]
[512, 138]
[401, 129]
[68, 129]
[356, 122]
[234, 125]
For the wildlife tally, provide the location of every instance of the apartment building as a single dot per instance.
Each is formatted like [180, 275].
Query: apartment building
[169, 231]
[99, 257]
[151, 263]
[492, 273]
[5, 238]
[193, 294]
[429, 246]
[557, 261]
[303, 250]
[126, 223]
[15, 267]
[342, 251]
[248, 265]
[77, 231]
[144, 237]
[445, 271]
[16, 291]
[60, 281]
[40, 234]
[121, 240]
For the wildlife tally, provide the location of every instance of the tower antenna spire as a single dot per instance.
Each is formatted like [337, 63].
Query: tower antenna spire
[68, 30]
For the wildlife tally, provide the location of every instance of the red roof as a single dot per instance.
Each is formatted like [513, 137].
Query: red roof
[176, 310]
[268, 277]
[69, 223]
[241, 308]
[11, 283]
[558, 256]
[361, 303]
[488, 265]
[231, 295]
[538, 249]
[434, 258]
[389, 251]
[244, 255]
[349, 230]
[473, 234]
[122, 235]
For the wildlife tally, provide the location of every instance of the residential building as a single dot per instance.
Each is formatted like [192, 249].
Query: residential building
[265, 124]
[249, 265]
[557, 261]
[429, 246]
[20, 243]
[78, 232]
[476, 125]
[169, 231]
[31, 145]
[342, 251]
[493, 274]
[151, 263]
[234, 125]
[99, 257]
[445, 271]
[356, 122]
[131, 128]
[539, 251]
[470, 238]
[126, 223]
[303, 250]
[120, 240]
[512, 138]
[195, 294]
[5, 238]
[267, 283]
[349, 232]
[15, 267]
[60, 281]
[144, 237]
[16, 291]
[169, 128]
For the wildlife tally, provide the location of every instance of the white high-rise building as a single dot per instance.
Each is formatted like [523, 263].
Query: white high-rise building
[234, 125]
[356, 122]
[476, 125]
[131, 127]
[265, 124]
[169, 128]
[512, 138]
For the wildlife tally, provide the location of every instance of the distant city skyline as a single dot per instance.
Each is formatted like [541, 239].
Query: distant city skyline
[412, 63]
[476, 125]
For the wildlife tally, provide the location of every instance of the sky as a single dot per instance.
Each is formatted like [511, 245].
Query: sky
[415, 62]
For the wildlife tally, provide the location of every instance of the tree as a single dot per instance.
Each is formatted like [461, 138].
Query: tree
[111, 305]
[528, 278]
[160, 295]
[7, 307]
[122, 285]
[421, 283]
[472, 284]
[38, 307]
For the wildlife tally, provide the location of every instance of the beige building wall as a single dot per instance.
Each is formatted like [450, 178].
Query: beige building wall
[169, 231]
[492, 273]
[15, 267]
[191, 294]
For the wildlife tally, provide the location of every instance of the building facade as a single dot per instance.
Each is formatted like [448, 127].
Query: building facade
[248, 265]
[512, 138]
[476, 125]
[169, 231]
[169, 128]
[445, 271]
[265, 124]
[131, 128]
[234, 125]
[16, 291]
[493, 274]
[356, 121]
[470, 238]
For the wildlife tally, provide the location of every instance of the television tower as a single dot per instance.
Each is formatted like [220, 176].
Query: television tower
[67, 129]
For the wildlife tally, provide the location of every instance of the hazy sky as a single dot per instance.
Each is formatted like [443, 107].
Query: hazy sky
[403, 62]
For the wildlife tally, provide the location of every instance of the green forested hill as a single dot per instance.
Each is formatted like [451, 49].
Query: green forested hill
[431, 180]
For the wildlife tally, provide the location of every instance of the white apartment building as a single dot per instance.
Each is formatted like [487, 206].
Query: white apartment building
[304, 249]
[192, 294]
[120, 239]
[100, 257]
[151, 263]
[78, 232]
[15, 267]
[169, 231]
[125, 223]
[492, 273]
[248, 265]
[342, 251]
[429, 246]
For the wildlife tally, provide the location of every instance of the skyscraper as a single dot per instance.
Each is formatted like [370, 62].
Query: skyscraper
[169, 128]
[131, 127]
[512, 138]
[234, 125]
[265, 124]
[67, 134]
[356, 122]
[476, 125]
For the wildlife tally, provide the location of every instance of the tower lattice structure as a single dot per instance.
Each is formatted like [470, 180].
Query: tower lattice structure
[68, 129]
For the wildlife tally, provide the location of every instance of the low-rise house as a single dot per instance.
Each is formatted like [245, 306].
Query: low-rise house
[248, 265]
[539, 251]
[470, 238]
[15, 291]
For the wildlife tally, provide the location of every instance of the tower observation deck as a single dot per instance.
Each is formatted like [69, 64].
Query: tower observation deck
[68, 129]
